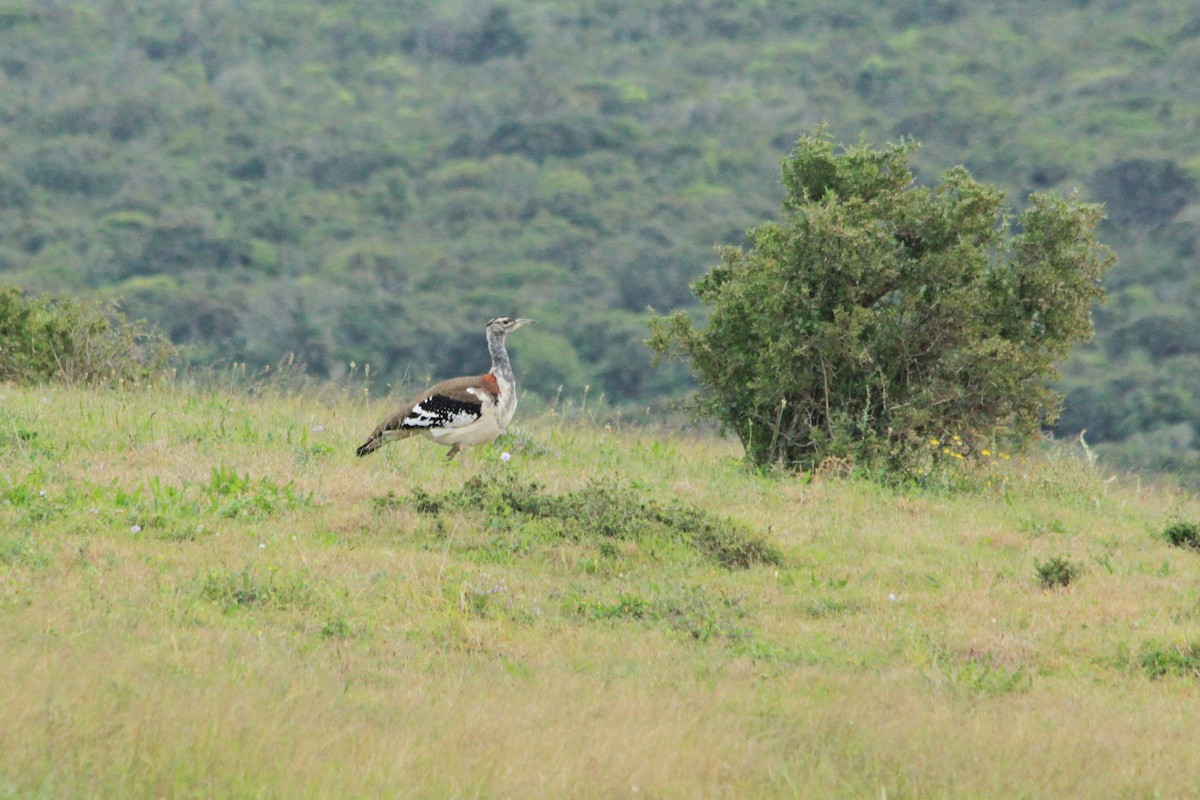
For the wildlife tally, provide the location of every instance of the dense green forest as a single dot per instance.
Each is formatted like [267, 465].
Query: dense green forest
[368, 182]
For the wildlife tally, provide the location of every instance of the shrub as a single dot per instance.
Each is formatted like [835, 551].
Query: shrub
[43, 339]
[1183, 534]
[1057, 572]
[877, 315]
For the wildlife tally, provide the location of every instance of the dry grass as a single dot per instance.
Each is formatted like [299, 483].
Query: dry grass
[282, 627]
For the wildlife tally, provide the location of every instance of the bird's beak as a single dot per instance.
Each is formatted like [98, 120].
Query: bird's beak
[521, 322]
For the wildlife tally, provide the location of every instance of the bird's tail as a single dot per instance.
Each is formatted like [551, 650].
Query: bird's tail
[388, 430]
[370, 445]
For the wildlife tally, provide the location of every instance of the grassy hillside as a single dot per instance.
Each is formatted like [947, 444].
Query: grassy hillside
[204, 594]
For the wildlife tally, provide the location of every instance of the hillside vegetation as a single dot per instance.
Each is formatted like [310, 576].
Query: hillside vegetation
[203, 593]
[367, 182]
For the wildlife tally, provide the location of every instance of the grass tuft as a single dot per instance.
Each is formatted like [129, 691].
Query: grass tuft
[253, 588]
[20, 549]
[1183, 534]
[1178, 660]
[1057, 572]
[691, 610]
[238, 496]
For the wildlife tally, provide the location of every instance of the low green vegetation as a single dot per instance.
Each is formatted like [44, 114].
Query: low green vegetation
[204, 593]
[1183, 534]
[603, 513]
[1057, 572]
[1172, 660]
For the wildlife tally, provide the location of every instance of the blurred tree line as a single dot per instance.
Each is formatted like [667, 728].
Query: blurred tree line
[369, 181]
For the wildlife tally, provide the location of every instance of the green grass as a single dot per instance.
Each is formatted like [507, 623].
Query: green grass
[203, 593]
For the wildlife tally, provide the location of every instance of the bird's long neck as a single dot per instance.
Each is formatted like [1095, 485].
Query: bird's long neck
[506, 403]
[501, 367]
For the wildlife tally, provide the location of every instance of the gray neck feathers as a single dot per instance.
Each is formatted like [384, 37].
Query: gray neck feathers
[500, 365]
[502, 369]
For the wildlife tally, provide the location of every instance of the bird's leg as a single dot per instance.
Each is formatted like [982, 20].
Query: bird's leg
[455, 450]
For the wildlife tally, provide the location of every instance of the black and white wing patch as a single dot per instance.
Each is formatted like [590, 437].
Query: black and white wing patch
[440, 411]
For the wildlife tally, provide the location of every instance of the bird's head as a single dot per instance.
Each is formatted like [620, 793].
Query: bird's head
[502, 326]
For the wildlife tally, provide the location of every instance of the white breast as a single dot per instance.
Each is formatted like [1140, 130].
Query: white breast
[506, 403]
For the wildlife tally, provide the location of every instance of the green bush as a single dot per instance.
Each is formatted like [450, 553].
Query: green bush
[877, 316]
[1057, 572]
[44, 339]
[1183, 534]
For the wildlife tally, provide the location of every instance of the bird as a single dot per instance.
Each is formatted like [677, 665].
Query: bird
[459, 412]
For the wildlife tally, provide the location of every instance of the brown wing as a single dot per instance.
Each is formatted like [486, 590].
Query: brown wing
[451, 403]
